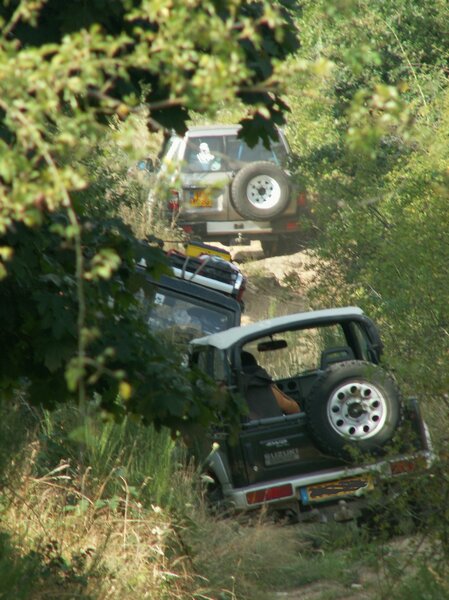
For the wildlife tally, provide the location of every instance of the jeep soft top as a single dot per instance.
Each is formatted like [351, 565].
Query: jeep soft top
[354, 432]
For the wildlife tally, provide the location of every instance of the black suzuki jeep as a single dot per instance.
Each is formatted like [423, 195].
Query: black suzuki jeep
[353, 431]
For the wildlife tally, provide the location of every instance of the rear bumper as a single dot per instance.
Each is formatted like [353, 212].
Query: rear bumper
[228, 231]
[326, 488]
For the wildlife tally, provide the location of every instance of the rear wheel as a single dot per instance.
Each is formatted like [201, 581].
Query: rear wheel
[283, 245]
[214, 499]
[290, 244]
[354, 407]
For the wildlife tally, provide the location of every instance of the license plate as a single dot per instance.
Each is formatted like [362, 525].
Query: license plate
[320, 492]
[200, 199]
[280, 457]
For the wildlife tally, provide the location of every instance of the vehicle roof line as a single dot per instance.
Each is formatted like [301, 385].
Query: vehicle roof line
[231, 336]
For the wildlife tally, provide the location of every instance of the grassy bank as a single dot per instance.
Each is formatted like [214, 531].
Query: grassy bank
[94, 510]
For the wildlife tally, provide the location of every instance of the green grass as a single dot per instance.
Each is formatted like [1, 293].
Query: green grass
[95, 506]
[95, 510]
[110, 453]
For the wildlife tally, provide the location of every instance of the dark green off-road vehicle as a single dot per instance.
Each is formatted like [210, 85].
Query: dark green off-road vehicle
[353, 433]
[203, 294]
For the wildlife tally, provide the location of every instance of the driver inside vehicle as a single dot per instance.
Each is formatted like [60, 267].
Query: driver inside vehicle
[263, 397]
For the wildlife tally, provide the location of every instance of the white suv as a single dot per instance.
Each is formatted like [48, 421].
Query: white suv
[229, 192]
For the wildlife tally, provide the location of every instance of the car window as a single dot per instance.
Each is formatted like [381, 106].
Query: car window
[172, 148]
[182, 318]
[213, 362]
[226, 152]
[238, 150]
[365, 348]
[205, 153]
[303, 351]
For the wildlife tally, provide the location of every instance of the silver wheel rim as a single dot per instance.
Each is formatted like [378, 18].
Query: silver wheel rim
[357, 410]
[263, 192]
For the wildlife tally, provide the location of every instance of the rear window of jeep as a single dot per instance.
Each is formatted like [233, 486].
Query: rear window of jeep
[303, 352]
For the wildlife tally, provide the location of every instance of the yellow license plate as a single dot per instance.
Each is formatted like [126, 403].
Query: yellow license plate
[351, 486]
[201, 199]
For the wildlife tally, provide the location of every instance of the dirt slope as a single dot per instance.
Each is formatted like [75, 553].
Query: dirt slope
[275, 285]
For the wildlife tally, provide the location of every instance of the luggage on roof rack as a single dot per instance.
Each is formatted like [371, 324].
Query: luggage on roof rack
[207, 266]
[199, 248]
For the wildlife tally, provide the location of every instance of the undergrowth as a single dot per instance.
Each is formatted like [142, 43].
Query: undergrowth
[96, 510]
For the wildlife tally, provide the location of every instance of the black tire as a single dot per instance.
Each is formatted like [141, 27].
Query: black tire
[283, 245]
[260, 191]
[353, 407]
[269, 248]
[214, 500]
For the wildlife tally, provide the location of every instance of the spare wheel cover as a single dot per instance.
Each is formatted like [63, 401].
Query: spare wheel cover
[260, 191]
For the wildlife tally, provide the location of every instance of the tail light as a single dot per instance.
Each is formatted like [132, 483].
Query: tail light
[406, 465]
[291, 226]
[241, 291]
[267, 494]
[301, 200]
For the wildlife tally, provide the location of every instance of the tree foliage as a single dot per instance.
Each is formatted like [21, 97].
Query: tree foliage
[69, 317]
[370, 130]
[369, 121]
[68, 68]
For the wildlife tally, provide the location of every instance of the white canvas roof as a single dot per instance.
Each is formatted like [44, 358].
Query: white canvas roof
[228, 338]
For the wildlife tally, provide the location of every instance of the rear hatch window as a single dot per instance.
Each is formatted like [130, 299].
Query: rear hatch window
[182, 318]
[227, 152]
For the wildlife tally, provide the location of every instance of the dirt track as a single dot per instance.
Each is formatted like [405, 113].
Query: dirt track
[273, 283]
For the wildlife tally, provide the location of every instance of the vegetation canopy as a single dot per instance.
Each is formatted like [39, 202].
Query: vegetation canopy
[68, 317]
[92, 508]
[369, 129]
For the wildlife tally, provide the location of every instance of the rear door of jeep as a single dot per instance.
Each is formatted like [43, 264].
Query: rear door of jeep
[282, 446]
[205, 186]
[278, 447]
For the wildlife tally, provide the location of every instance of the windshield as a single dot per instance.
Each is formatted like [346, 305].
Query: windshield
[227, 152]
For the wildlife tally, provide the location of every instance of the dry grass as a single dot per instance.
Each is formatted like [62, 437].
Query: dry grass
[82, 521]
[79, 530]
[70, 544]
[97, 549]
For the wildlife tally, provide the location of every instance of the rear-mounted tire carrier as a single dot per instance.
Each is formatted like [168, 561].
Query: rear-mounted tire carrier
[260, 190]
[353, 407]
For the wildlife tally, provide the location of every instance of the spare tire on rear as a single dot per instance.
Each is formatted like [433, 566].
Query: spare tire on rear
[260, 191]
[353, 407]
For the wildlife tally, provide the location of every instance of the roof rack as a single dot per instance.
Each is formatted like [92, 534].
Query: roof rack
[210, 267]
